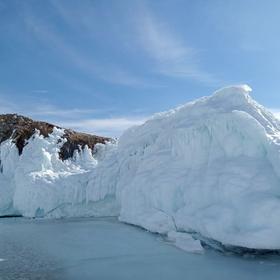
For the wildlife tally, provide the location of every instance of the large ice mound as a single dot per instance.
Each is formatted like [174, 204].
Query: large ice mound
[209, 167]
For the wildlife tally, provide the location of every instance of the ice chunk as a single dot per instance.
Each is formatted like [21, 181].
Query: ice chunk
[185, 242]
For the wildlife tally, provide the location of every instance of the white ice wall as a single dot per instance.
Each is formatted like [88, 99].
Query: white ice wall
[38, 183]
[211, 166]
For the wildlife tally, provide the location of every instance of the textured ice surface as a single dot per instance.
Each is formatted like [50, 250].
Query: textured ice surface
[210, 167]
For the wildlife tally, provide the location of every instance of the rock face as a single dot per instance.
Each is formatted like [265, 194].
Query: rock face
[21, 128]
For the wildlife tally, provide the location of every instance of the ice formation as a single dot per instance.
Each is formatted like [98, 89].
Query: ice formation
[39, 184]
[210, 167]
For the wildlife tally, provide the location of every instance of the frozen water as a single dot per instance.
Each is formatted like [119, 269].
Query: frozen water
[106, 249]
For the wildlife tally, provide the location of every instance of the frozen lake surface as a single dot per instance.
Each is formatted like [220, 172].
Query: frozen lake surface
[106, 249]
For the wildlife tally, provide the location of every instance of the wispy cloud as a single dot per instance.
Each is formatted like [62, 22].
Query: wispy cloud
[74, 118]
[112, 73]
[41, 109]
[275, 112]
[39, 91]
[7, 107]
[169, 52]
[52, 111]
[173, 57]
[112, 127]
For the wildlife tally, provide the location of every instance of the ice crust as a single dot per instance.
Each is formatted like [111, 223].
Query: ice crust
[211, 167]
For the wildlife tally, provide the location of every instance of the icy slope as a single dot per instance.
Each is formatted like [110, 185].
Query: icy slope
[210, 166]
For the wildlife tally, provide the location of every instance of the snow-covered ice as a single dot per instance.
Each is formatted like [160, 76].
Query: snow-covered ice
[210, 167]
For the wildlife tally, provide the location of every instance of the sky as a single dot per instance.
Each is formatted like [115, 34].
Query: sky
[103, 66]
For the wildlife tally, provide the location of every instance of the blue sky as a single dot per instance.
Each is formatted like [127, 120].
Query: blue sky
[101, 66]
